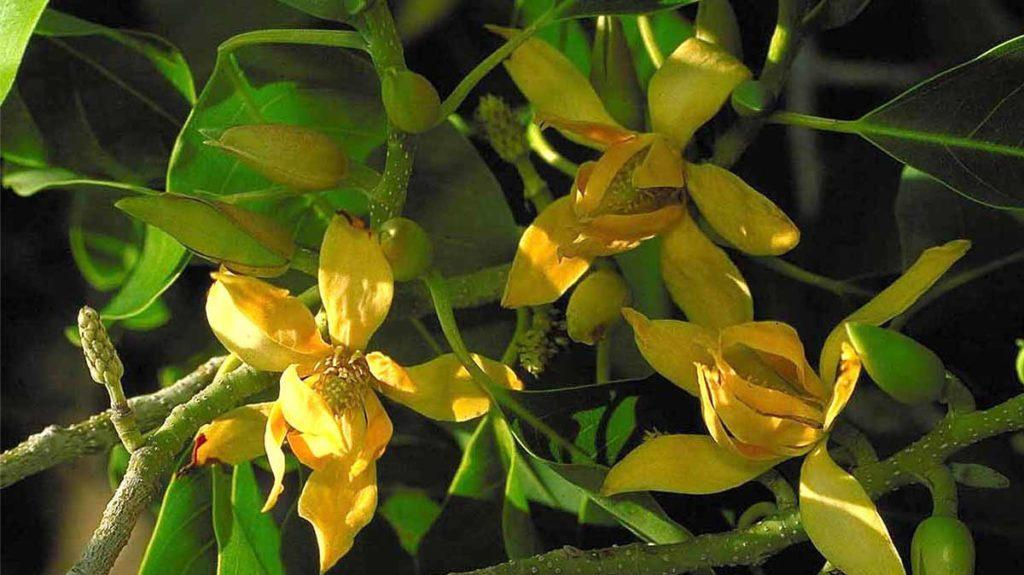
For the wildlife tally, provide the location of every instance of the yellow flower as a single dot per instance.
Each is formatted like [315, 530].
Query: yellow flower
[328, 410]
[762, 403]
[638, 188]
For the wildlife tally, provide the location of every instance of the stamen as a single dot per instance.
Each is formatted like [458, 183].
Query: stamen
[343, 379]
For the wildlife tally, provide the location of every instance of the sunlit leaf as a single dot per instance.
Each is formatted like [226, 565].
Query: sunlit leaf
[248, 541]
[23, 142]
[28, 182]
[183, 540]
[161, 261]
[17, 19]
[411, 513]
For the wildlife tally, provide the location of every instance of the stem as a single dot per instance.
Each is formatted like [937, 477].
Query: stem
[785, 497]
[540, 146]
[306, 261]
[940, 483]
[801, 275]
[522, 324]
[535, 189]
[755, 513]
[813, 122]
[603, 360]
[855, 442]
[475, 289]
[649, 41]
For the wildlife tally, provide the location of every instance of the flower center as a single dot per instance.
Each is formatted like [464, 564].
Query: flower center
[343, 379]
[623, 198]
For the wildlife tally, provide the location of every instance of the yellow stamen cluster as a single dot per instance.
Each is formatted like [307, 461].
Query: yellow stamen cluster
[542, 341]
[623, 198]
[343, 379]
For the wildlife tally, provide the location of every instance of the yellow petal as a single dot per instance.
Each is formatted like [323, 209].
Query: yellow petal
[662, 167]
[702, 280]
[273, 436]
[672, 347]
[705, 375]
[261, 324]
[691, 464]
[554, 86]
[442, 388]
[633, 227]
[690, 87]
[779, 347]
[338, 505]
[594, 134]
[593, 183]
[371, 430]
[846, 381]
[306, 411]
[893, 300]
[355, 279]
[539, 273]
[233, 438]
[842, 521]
[742, 216]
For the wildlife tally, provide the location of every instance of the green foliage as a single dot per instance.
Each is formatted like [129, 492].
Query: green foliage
[17, 19]
[183, 539]
[160, 262]
[248, 541]
[585, 8]
[410, 513]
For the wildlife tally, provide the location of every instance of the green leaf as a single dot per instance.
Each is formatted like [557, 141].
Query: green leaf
[518, 531]
[183, 539]
[325, 9]
[410, 513]
[154, 316]
[568, 36]
[248, 541]
[641, 267]
[17, 19]
[838, 13]
[670, 29]
[23, 142]
[927, 214]
[589, 8]
[962, 127]
[117, 465]
[160, 263]
[979, 476]
[28, 182]
[103, 245]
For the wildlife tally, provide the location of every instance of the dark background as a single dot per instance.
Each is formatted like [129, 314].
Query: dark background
[839, 189]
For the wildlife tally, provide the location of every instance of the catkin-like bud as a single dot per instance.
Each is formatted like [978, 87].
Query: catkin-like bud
[101, 357]
[505, 133]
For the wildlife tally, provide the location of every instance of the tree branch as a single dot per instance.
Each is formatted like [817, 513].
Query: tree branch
[763, 539]
[58, 444]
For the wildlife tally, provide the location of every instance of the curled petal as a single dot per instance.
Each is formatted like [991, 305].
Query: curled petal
[338, 504]
[273, 436]
[595, 134]
[893, 300]
[842, 521]
[593, 184]
[442, 388]
[705, 376]
[306, 411]
[373, 431]
[355, 280]
[690, 464]
[778, 345]
[261, 324]
[662, 167]
[702, 280]
[633, 228]
[744, 217]
[232, 438]
[540, 273]
[846, 381]
[690, 87]
[673, 348]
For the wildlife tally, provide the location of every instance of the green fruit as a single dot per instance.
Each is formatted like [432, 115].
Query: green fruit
[942, 546]
[595, 305]
[410, 101]
[293, 156]
[407, 248]
[903, 368]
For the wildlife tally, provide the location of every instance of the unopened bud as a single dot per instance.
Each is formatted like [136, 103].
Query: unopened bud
[903, 368]
[100, 355]
[410, 100]
[407, 248]
[505, 133]
[293, 156]
[596, 305]
[942, 546]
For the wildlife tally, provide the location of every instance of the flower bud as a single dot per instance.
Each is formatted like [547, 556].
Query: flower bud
[292, 156]
[596, 305]
[942, 546]
[903, 368]
[613, 75]
[505, 133]
[104, 364]
[716, 23]
[407, 248]
[410, 100]
[751, 99]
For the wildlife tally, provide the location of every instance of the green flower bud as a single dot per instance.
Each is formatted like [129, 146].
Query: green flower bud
[1020, 361]
[595, 305]
[716, 23]
[410, 101]
[505, 133]
[942, 546]
[407, 248]
[903, 368]
[105, 365]
[613, 75]
[752, 99]
[292, 156]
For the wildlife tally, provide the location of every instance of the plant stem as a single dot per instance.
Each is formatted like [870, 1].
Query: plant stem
[535, 189]
[801, 275]
[603, 360]
[814, 122]
[512, 349]
[306, 261]
[940, 483]
[643, 23]
[540, 146]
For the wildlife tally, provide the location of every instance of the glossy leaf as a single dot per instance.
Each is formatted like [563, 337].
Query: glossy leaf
[23, 142]
[160, 263]
[183, 539]
[962, 127]
[17, 19]
[410, 512]
[29, 182]
[248, 541]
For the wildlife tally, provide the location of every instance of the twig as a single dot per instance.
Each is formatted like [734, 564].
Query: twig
[58, 444]
[106, 369]
[759, 541]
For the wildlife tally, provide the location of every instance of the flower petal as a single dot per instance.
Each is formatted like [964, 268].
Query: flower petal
[690, 87]
[662, 167]
[273, 436]
[374, 430]
[691, 464]
[338, 505]
[744, 217]
[233, 438]
[355, 280]
[540, 274]
[842, 521]
[592, 184]
[673, 348]
[780, 347]
[261, 324]
[846, 381]
[442, 388]
[715, 426]
[557, 89]
[306, 411]
[893, 300]
[702, 280]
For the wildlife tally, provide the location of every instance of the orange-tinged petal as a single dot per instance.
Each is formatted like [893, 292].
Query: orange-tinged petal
[355, 280]
[592, 186]
[261, 324]
[371, 431]
[442, 388]
[691, 464]
[690, 87]
[633, 227]
[338, 504]
[540, 274]
[555, 87]
[593, 134]
[781, 349]
[702, 280]
[893, 300]
[715, 427]
[742, 216]
[233, 438]
[662, 167]
[273, 436]
[846, 381]
[673, 348]
[311, 450]
[306, 411]
[842, 521]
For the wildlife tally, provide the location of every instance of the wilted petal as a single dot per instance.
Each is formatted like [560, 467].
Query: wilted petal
[673, 348]
[690, 87]
[355, 280]
[540, 274]
[261, 324]
[338, 505]
[702, 280]
[691, 464]
[306, 411]
[742, 216]
[842, 521]
[233, 438]
[442, 388]
[893, 300]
